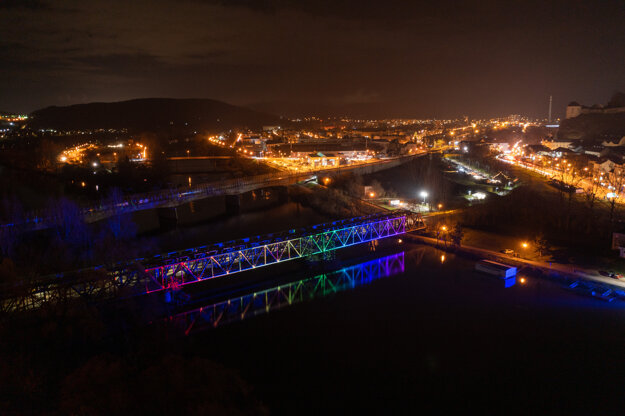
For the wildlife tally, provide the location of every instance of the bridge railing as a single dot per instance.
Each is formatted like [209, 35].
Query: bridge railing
[172, 269]
[180, 194]
[210, 262]
[145, 200]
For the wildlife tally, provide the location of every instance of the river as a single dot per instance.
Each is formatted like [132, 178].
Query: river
[428, 334]
[432, 335]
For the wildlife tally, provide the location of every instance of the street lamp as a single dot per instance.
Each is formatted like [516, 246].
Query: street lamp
[424, 195]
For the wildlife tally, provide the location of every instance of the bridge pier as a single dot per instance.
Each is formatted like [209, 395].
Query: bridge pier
[283, 194]
[233, 204]
[167, 217]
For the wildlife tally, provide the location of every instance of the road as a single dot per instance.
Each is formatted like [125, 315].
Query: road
[169, 198]
[585, 183]
[566, 269]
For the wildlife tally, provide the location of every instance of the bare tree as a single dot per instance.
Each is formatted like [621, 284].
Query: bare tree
[541, 245]
[570, 179]
[592, 186]
[11, 216]
[120, 225]
[616, 183]
[456, 234]
[73, 239]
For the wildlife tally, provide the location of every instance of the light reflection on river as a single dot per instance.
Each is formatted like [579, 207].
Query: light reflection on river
[402, 341]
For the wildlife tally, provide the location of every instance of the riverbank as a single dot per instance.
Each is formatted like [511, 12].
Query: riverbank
[547, 268]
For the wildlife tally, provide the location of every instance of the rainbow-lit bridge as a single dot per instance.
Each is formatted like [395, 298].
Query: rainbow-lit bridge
[205, 263]
[176, 269]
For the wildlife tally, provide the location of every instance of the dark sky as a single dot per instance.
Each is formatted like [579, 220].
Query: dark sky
[390, 58]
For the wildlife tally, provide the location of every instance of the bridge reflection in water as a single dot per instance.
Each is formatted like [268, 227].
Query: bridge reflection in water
[257, 303]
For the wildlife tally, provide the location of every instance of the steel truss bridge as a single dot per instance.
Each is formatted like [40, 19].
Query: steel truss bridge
[207, 264]
[277, 297]
[172, 270]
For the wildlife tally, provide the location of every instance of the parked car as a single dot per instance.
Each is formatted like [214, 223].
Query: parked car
[610, 273]
[508, 251]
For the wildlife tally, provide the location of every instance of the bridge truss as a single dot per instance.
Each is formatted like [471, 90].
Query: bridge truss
[210, 264]
[258, 303]
[170, 270]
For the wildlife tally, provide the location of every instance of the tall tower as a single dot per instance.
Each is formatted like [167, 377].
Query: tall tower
[550, 102]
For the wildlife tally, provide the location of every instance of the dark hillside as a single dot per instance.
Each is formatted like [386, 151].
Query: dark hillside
[593, 127]
[150, 114]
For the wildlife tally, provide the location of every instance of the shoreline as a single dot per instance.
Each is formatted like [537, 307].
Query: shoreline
[550, 270]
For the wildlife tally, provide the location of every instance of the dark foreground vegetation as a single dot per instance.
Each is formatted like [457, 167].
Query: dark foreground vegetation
[83, 356]
[69, 243]
[89, 351]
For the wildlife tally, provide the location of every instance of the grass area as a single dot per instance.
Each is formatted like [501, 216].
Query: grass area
[498, 242]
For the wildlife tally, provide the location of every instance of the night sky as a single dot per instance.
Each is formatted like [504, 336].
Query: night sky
[379, 59]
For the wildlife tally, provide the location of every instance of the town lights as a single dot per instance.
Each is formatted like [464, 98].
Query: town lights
[371, 194]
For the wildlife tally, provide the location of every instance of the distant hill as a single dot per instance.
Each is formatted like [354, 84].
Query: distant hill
[151, 114]
[593, 127]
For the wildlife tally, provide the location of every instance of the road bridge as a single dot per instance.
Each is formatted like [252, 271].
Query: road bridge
[170, 271]
[172, 198]
[210, 262]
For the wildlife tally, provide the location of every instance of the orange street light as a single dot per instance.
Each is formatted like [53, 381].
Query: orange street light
[524, 244]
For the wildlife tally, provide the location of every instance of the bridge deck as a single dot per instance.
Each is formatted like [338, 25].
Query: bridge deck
[171, 270]
[179, 196]
[207, 263]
